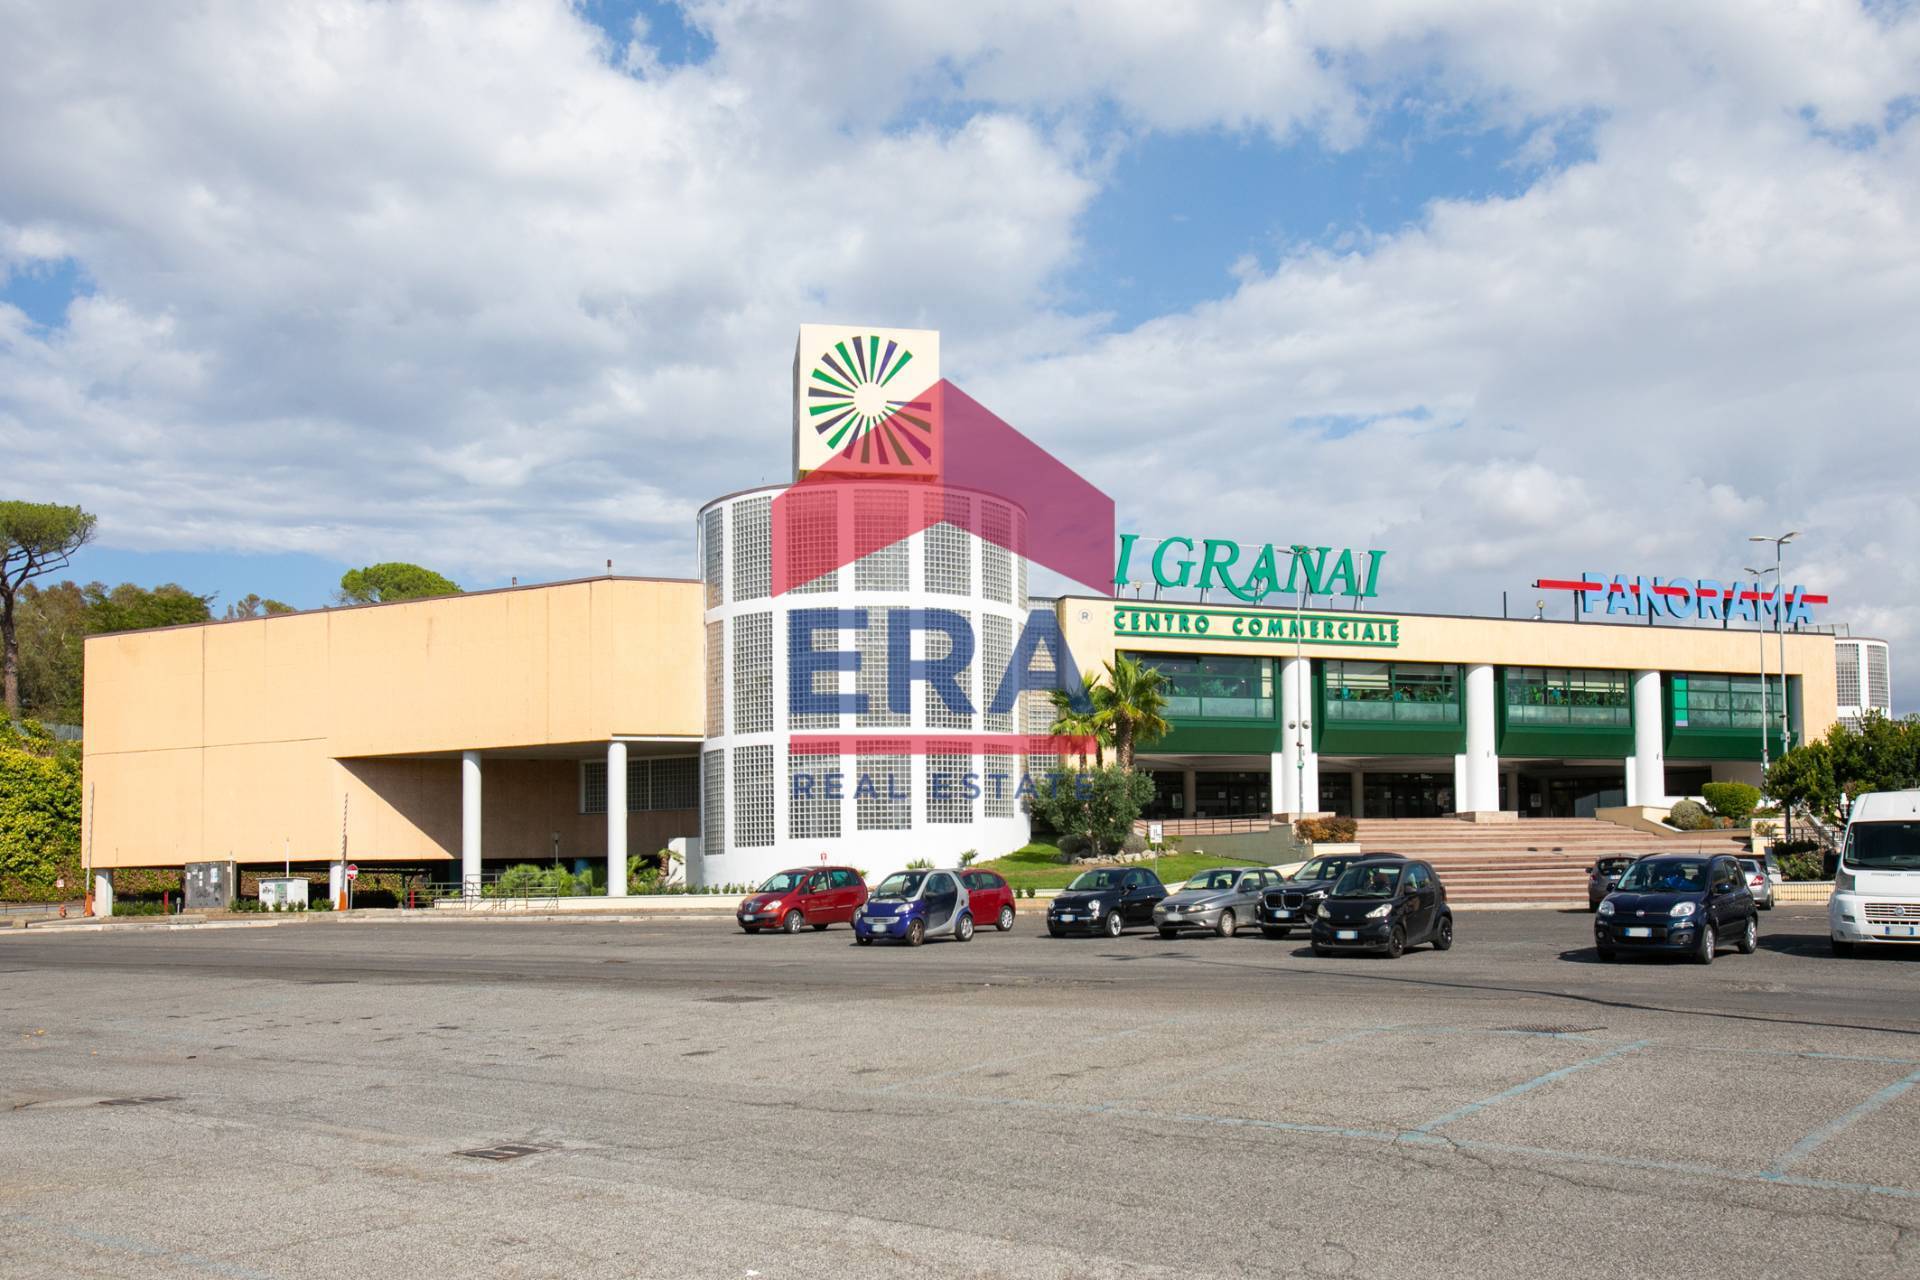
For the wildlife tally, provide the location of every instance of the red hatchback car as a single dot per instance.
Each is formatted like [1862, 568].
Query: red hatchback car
[816, 896]
[990, 898]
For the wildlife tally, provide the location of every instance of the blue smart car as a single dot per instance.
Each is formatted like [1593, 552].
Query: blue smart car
[912, 906]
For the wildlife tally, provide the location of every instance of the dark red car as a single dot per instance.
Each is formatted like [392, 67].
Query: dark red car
[816, 896]
[990, 898]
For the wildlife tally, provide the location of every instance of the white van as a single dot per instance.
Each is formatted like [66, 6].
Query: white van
[1876, 886]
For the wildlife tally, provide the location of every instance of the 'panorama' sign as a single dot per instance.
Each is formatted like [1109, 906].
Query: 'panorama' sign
[1703, 598]
[1318, 571]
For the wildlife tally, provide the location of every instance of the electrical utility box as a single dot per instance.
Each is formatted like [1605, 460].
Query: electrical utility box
[283, 892]
[211, 886]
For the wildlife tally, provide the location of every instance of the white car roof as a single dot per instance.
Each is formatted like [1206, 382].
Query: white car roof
[1887, 806]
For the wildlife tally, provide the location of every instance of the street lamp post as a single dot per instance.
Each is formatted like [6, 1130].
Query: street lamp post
[1779, 623]
[1298, 725]
[1766, 717]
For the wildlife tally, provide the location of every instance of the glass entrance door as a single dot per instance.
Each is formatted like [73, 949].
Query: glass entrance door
[1232, 795]
[1409, 795]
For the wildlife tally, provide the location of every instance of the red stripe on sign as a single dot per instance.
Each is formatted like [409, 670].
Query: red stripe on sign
[879, 742]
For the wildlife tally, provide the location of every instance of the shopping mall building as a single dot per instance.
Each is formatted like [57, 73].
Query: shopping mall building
[862, 710]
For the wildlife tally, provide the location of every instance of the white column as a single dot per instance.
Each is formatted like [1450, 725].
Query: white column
[1647, 781]
[1280, 786]
[1297, 758]
[1459, 784]
[1481, 793]
[336, 882]
[103, 893]
[470, 824]
[616, 819]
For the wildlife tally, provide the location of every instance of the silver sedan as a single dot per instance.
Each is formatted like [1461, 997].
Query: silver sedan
[1218, 901]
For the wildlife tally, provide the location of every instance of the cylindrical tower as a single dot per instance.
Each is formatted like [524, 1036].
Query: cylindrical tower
[873, 789]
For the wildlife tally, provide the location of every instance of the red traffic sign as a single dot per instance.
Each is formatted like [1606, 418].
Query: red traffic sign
[353, 871]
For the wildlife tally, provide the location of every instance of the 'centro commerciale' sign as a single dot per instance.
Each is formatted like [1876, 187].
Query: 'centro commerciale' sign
[1318, 571]
[1275, 628]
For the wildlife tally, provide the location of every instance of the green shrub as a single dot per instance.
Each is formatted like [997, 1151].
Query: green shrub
[1335, 830]
[920, 864]
[1099, 804]
[321, 903]
[1732, 800]
[967, 858]
[1690, 815]
[1134, 843]
[1073, 845]
[1801, 859]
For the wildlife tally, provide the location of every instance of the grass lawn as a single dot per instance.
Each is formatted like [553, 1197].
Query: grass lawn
[1037, 866]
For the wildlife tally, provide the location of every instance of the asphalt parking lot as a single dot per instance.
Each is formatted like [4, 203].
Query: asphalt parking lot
[690, 1101]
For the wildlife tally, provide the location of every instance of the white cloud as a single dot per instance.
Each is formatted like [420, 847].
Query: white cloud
[476, 284]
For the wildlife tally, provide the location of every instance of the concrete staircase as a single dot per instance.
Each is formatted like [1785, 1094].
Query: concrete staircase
[1534, 861]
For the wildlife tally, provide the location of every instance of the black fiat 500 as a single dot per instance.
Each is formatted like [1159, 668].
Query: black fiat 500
[1384, 905]
[1106, 901]
[1678, 904]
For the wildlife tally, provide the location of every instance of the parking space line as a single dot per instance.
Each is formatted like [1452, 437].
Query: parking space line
[1807, 1145]
[1527, 1086]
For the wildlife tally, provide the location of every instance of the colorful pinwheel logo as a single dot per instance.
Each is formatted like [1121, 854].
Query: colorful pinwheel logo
[848, 405]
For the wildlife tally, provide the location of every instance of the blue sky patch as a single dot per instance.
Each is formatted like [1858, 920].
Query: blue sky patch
[43, 290]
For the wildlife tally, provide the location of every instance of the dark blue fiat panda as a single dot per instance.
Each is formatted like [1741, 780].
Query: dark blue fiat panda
[1678, 905]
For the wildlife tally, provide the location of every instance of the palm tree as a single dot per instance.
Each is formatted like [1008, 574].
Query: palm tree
[1131, 707]
[1068, 723]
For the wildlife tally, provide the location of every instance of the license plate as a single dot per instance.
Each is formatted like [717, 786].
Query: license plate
[1283, 915]
[1638, 933]
[1347, 934]
[1902, 930]
[1067, 918]
[879, 922]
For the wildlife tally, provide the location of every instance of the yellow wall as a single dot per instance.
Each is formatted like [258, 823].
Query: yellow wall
[1087, 623]
[232, 739]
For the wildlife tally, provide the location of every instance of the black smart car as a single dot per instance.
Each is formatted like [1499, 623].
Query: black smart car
[1291, 906]
[1385, 905]
[1677, 903]
[1602, 876]
[1106, 901]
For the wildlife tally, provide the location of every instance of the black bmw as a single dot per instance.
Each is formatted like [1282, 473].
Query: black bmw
[1292, 905]
[1674, 903]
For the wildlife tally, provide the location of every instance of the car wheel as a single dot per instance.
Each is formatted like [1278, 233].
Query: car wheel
[1005, 922]
[1767, 905]
[1055, 931]
[1226, 926]
[1443, 934]
[1750, 936]
[1841, 947]
[863, 939]
[1605, 954]
[1115, 925]
[916, 933]
[1275, 934]
[791, 922]
[1703, 953]
[1168, 935]
[1320, 950]
[963, 931]
[1397, 942]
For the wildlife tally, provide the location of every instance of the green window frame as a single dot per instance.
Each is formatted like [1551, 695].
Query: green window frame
[1392, 692]
[1702, 700]
[1213, 686]
[1558, 697]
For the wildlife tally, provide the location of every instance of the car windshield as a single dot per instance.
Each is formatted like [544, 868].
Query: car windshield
[1214, 881]
[901, 884]
[1097, 880]
[1614, 866]
[1322, 869]
[782, 881]
[1676, 875]
[1884, 846]
[1376, 881]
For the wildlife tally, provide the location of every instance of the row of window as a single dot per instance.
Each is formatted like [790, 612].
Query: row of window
[957, 789]
[669, 783]
[1227, 687]
[881, 523]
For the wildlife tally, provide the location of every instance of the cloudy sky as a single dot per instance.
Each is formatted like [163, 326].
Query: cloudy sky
[508, 287]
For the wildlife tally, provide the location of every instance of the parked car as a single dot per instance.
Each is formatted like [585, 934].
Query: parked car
[1290, 905]
[1876, 877]
[1602, 876]
[989, 897]
[1216, 900]
[912, 906]
[816, 896]
[1106, 901]
[1759, 884]
[1385, 905]
[1678, 904]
